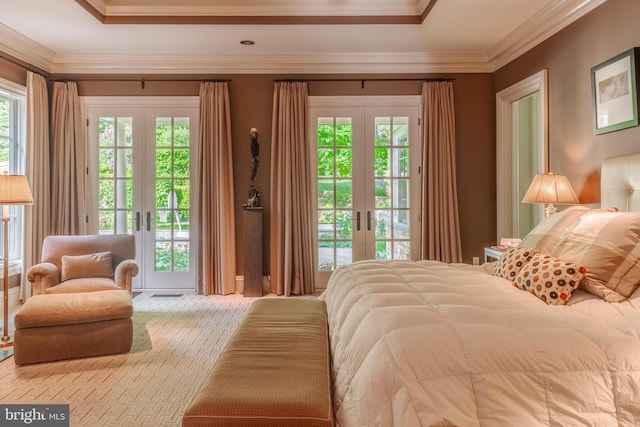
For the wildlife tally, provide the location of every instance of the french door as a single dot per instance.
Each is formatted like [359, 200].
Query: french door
[366, 161]
[141, 170]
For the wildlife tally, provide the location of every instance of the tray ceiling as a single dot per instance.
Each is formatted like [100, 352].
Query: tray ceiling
[291, 36]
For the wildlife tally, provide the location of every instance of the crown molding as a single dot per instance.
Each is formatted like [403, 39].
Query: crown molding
[256, 8]
[547, 22]
[270, 63]
[24, 49]
[543, 25]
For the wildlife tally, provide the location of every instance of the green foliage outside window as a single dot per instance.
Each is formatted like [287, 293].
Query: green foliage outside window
[5, 138]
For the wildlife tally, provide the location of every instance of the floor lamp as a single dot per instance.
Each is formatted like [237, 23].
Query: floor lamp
[14, 190]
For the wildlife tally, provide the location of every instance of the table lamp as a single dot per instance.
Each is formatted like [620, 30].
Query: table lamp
[549, 189]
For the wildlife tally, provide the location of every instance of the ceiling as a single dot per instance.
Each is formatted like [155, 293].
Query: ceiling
[291, 36]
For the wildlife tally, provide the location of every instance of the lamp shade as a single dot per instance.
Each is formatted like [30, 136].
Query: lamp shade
[15, 190]
[550, 188]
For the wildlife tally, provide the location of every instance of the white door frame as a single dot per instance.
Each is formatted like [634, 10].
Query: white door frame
[506, 151]
[317, 105]
[129, 103]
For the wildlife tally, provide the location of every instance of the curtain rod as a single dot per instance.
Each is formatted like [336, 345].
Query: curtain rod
[142, 81]
[362, 81]
[26, 67]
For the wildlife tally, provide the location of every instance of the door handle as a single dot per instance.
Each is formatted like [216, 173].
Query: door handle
[148, 221]
[358, 221]
[369, 220]
[138, 221]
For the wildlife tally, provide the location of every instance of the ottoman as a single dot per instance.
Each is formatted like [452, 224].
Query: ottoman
[53, 327]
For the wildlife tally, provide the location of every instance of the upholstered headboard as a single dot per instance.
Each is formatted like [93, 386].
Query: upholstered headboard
[620, 183]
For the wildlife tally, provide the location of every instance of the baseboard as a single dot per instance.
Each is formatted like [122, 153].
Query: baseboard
[266, 284]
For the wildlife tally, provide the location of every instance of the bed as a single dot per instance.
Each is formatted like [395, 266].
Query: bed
[549, 335]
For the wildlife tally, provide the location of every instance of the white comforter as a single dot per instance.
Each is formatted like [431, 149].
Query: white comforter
[430, 344]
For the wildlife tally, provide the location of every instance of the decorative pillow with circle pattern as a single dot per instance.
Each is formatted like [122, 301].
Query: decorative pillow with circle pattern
[510, 263]
[551, 280]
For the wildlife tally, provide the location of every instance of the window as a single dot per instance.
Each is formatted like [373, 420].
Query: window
[13, 118]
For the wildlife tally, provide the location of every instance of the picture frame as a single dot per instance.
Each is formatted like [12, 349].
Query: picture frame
[614, 93]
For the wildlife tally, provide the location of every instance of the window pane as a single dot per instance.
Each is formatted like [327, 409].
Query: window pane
[163, 256]
[326, 256]
[401, 225]
[181, 256]
[383, 131]
[401, 131]
[106, 222]
[181, 130]
[401, 250]
[344, 193]
[163, 163]
[344, 164]
[326, 194]
[401, 193]
[400, 162]
[344, 132]
[181, 163]
[106, 165]
[106, 130]
[164, 134]
[127, 162]
[125, 134]
[123, 194]
[383, 193]
[381, 162]
[325, 131]
[326, 225]
[344, 225]
[326, 162]
[344, 253]
[106, 199]
[383, 224]
[383, 250]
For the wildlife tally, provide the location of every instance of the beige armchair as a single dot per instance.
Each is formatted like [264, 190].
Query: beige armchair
[90, 263]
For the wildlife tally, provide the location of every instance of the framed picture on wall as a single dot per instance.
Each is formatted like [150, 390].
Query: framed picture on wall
[615, 100]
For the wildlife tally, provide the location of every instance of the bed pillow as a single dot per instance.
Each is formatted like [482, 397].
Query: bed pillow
[546, 235]
[91, 265]
[548, 278]
[608, 245]
[510, 263]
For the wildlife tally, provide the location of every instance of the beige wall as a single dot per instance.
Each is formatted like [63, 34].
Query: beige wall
[251, 105]
[569, 56]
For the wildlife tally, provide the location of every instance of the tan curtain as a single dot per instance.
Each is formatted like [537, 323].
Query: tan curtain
[216, 252]
[440, 225]
[67, 162]
[292, 252]
[36, 217]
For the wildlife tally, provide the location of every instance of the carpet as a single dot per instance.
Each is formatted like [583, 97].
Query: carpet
[176, 343]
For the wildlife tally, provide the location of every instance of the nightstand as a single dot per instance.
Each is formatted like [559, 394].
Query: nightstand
[492, 253]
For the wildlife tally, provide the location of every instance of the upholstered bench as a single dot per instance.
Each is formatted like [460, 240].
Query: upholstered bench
[274, 371]
[53, 327]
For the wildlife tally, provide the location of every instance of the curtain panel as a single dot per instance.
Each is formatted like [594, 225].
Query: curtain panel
[440, 223]
[292, 252]
[216, 251]
[36, 216]
[67, 161]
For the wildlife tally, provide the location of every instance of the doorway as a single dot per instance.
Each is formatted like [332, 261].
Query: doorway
[141, 163]
[521, 152]
[366, 160]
